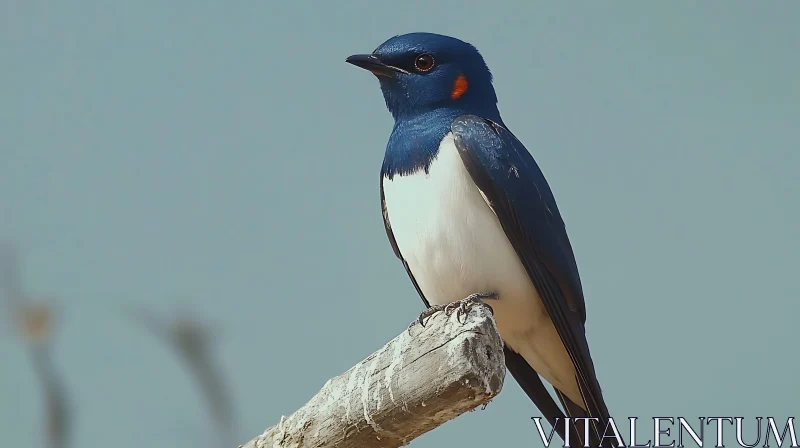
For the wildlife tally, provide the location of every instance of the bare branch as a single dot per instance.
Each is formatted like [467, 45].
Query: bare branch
[418, 381]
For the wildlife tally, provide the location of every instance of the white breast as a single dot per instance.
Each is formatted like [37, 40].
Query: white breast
[454, 246]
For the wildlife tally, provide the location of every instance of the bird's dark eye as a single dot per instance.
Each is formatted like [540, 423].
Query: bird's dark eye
[423, 62]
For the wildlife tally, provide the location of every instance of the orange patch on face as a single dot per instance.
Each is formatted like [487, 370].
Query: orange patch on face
[459, 87]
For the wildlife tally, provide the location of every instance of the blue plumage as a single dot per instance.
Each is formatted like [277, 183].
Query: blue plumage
[421, 104]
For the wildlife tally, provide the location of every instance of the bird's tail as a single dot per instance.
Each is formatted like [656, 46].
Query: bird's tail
[597, 426]
[532, 385]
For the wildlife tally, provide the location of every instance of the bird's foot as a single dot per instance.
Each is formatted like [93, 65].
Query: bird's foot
[461, 307]
[466, 305]
[428, 313]
[482, 296]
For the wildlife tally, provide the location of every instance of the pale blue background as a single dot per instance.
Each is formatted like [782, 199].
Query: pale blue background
[222, 155]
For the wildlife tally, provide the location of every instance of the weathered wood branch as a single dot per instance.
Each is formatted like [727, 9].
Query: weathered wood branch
[418, 381]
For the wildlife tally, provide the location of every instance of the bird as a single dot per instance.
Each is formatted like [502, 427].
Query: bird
[469, 213]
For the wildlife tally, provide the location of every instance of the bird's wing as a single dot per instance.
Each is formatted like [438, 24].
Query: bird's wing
[519, 195]
[528, 379]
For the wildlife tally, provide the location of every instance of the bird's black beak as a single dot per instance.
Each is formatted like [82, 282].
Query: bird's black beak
[372, 63]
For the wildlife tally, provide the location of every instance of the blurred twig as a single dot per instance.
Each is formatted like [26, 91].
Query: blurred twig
[192, 340]
[34, 323]
[58, 413]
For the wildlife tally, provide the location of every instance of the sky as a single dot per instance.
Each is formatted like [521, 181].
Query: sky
[221, 159]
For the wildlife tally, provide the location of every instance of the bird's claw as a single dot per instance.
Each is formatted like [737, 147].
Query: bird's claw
[460, 307]
[428, 313]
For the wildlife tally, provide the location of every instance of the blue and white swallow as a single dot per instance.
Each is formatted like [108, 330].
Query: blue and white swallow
[468, 211]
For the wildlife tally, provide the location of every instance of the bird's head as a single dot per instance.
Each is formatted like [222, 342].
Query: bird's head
[420, 72]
